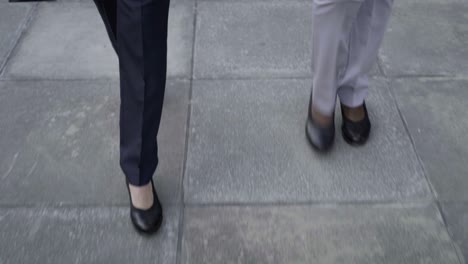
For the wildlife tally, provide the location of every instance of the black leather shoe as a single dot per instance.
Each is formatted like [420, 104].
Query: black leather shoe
[146, 221]
[320, 137]
[356, 133]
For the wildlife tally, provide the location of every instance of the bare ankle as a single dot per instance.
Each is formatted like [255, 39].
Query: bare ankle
[141, 196]
[354, 113]
[320, 118]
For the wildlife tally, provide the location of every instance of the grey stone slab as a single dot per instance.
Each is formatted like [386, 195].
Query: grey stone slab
[334, 234]
[180, 38]
[456, 216]
[13, 19]
[247, 144]
[83, 235]
[68, 40]
[60, 143]
[435, 113]
[254, 39]
[427, 38]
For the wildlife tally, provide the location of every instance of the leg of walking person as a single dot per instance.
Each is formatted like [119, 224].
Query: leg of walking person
[363, 45]
[332, 23]
[142, 49]
[108, 11]
[138, 32]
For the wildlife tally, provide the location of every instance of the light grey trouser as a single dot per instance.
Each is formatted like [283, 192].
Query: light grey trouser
[346, 38]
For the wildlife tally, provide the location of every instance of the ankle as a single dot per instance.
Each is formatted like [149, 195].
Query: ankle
[354, 114]
[321, 119]
[141, 196]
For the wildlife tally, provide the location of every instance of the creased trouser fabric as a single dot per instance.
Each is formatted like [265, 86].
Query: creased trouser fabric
[138, 32]
[346, 38]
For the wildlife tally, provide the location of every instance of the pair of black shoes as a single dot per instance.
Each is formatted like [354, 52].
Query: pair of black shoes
[322, 137]
[146, 221]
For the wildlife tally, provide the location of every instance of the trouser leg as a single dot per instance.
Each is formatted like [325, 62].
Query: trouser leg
[108, 11]
[332, 24]
[141, 45]
[364, 42]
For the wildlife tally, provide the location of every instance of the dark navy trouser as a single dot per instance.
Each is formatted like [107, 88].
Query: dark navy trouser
[138, 32]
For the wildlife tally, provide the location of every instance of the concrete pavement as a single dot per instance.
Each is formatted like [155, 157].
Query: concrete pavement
[237, 178]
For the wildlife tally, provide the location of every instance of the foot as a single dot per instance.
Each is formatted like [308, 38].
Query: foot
[320, 129]
[356, 124]
[145, 209]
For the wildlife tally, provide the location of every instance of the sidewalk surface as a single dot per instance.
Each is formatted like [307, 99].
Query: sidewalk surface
[237, 178]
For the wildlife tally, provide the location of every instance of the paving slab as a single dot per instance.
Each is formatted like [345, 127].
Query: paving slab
[247, 144]
[13, 18]
[456, 216]
[60, 143]
[83, 235]
[68, 41]
[302, 234]
[427, 37]
[253, 39]
[434, 110]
